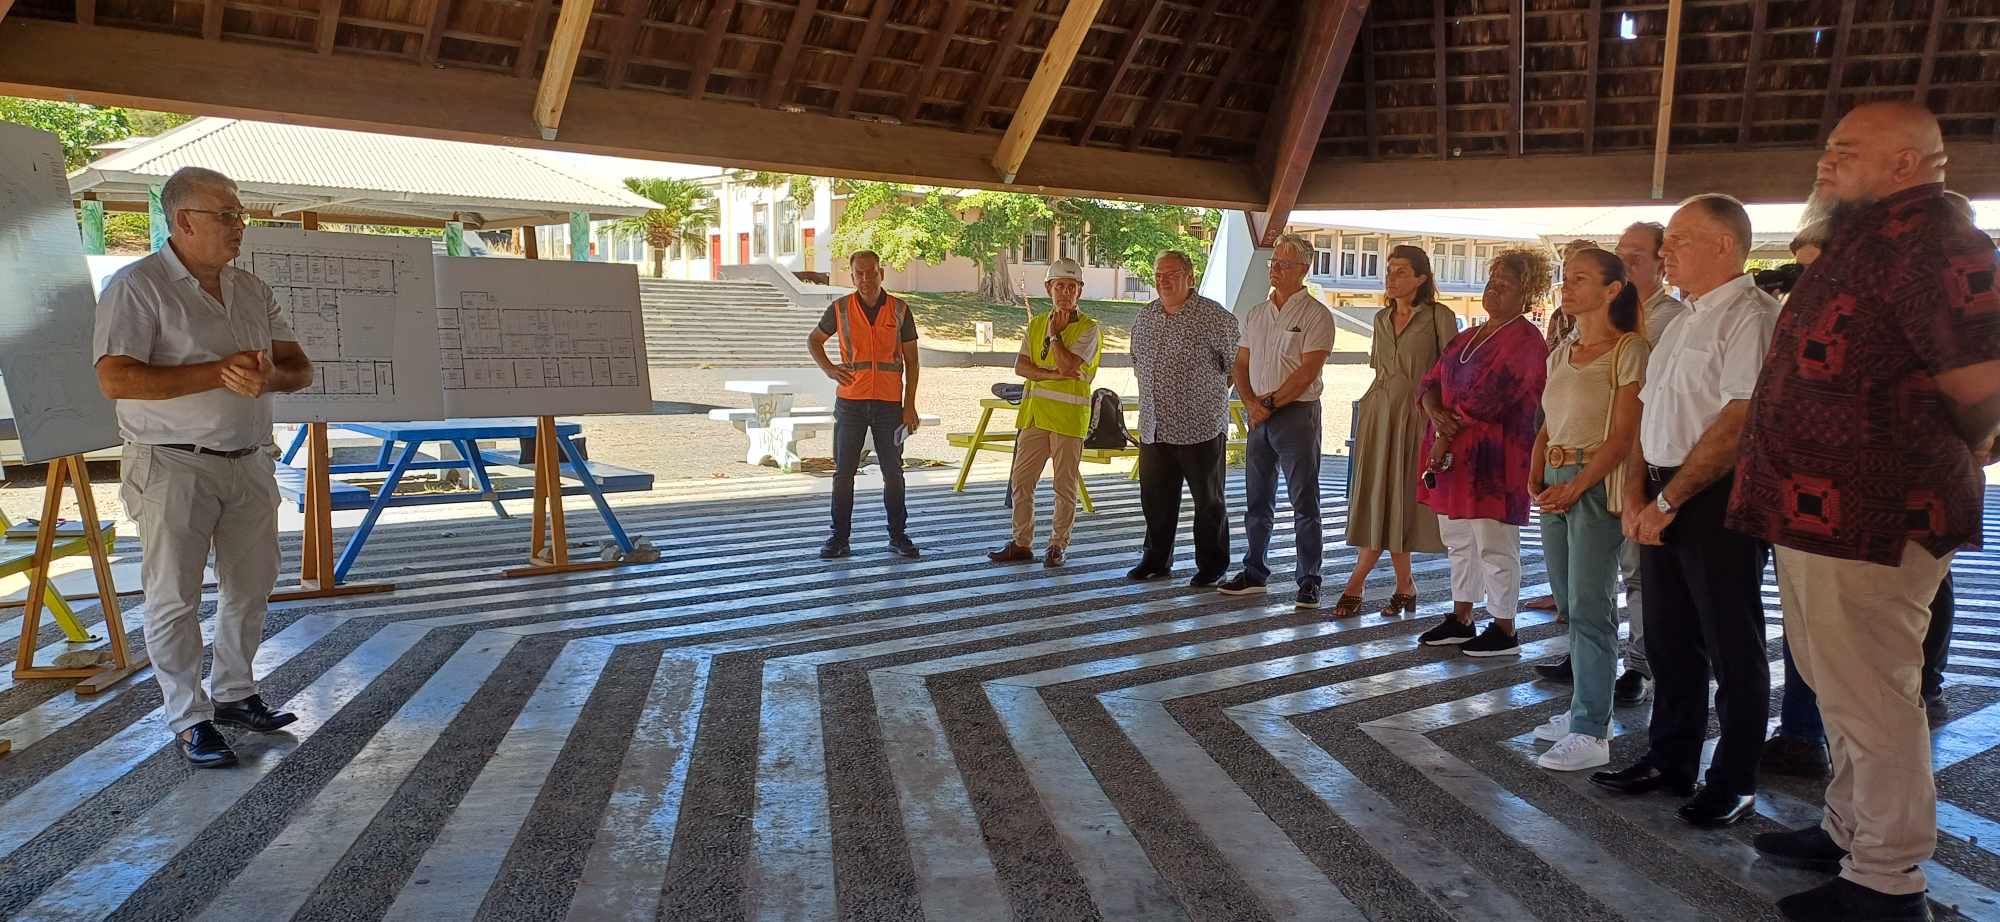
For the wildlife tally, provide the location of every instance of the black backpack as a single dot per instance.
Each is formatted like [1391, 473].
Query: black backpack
[1107, 421]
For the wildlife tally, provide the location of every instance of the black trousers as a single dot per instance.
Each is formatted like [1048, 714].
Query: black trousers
[1162, 469]
[1937, 641]
[855, 424]
[1705, 616]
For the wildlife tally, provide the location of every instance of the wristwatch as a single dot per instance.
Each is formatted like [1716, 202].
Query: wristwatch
[1660, 503]
[1269, 402]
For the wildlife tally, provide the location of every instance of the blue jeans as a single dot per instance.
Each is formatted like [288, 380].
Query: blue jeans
[1798, 712]
[1289, 442]
[1582, 546]
[854, 422]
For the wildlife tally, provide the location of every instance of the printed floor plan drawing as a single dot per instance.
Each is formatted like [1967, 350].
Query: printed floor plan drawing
[484, 344]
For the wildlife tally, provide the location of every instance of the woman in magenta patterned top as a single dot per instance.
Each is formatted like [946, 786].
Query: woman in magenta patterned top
[1481, 398]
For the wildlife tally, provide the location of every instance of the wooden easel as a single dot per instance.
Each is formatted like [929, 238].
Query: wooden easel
[549, 553]
[316, 555]
[71, 470]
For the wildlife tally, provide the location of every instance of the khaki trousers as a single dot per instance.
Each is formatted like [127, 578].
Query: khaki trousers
[187, 504]
[1857, 634]
[1033, 449]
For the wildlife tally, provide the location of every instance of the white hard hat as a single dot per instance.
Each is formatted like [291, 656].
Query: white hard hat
[1065, 268]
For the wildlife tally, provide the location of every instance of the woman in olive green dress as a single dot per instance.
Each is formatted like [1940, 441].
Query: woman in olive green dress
[1383, 514]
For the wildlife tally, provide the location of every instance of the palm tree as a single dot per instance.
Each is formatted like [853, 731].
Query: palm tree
[686, 211]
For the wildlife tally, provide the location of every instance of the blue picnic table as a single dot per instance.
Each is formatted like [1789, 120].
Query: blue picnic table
[398, 456]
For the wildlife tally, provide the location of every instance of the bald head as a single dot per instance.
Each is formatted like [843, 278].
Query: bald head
[1878, 150]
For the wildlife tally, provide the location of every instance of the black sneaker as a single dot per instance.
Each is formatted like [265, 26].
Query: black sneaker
[834, 549]
[1558, 672]
[1449, 632]
[1240, 584]
[1632, 688]
[204, 747]
[1795, 757]
[1205, 580]
[252, 714]
[1492, 642]
[1308, 596]
[1842, 900]
[902, 546]
[1809, 848]
[1146, 572]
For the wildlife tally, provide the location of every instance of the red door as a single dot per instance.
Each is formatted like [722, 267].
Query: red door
[743, 249]
[714, 256]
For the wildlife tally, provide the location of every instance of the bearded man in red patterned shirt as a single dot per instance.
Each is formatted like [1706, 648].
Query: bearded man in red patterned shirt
[1858, 464]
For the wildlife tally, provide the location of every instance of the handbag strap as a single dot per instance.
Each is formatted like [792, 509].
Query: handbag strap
[1617, 352]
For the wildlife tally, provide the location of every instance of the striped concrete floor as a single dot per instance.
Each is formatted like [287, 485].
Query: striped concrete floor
[741, 731]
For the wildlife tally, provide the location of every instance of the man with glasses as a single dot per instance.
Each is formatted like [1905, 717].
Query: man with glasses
[191, 349]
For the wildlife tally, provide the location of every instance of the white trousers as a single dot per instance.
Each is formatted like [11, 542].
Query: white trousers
[1485, 563]
[187, 504]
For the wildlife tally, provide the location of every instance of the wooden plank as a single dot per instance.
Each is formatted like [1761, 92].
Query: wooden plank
[1759, 16]
[160, 72]
[1928, 68]
[531, 40]
[1590, 56]
[1442, 74]
[864, 54]
[1836, 71]
[329, 25]
[1324, 48]
[788, 56]
[1191, 130]
[1049, 75]
[1121, 63]
[1170, 77]
[561, 66]
[1371, 120]
[940, 42]
[211, 18]
[626, 44]
[1003, 55]
[1517, 78]
[711, 45]
[440, 15]
[1663, 131]
[86, 12]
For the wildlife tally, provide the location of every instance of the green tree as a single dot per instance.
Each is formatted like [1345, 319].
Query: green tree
[76, 125]
[686, 211]
[797, 188]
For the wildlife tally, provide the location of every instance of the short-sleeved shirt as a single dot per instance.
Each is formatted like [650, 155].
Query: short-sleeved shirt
[1850, 450]
[1707, 358]
[829, 326]
[155, 311]
[1278, 337]
[1578, 401]
[1660, 310]
[1183, 361]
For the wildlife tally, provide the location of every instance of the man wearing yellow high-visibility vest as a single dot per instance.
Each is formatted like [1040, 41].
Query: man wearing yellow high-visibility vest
[1059, 355]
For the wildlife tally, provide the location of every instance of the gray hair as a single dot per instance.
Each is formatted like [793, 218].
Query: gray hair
[1728, 212]
[1300, 244]
[1186, 262]
[1658, 230]
[187, 183]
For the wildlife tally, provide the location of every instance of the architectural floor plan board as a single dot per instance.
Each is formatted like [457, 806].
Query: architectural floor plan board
[47, 310]
[531, 338]
[361, 306]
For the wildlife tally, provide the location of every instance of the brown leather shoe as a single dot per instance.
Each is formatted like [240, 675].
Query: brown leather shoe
[1541, 603]
[1054, 558]
[1010, 553]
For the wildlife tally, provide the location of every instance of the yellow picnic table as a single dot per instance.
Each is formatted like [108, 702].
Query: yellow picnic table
[982, 438]
[17, 555]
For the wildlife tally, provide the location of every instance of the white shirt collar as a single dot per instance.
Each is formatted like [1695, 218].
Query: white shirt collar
[176, 269]
[1724, 293]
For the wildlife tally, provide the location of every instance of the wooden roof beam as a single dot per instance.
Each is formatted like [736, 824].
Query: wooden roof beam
[1441, 72]
[1758, 17]
[864, 54]
[788, 56]
[1121, 63]
[711, 45]
[329, 25]
[1595, 30]
[1176, 70]
[1928, 68]
[1836, 71]
[1049, 76]
[626, 44]
[1191, 129]
[531, 41]
[1663, 131]
[940, 42]
[1320, 60]
[564, 48]
[1003, 55]
[211, 18]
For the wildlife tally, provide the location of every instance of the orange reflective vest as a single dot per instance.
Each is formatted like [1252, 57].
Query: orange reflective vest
[872, 351]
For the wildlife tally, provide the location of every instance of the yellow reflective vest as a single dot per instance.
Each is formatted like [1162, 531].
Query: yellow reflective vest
[1060, 406]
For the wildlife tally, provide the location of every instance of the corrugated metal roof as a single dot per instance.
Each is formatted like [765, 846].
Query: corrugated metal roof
[352, 164]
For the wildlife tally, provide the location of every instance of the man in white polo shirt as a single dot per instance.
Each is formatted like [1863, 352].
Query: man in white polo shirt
[1285, 343]
[192, 348]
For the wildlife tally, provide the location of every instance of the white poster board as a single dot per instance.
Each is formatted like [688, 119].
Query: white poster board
[535, 338]
[47, 309]
[362, 308]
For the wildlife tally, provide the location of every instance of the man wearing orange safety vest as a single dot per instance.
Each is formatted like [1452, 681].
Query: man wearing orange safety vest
[877, 398]
[1059, 356]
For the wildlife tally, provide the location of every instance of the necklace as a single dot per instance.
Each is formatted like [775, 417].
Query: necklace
[1466, 356]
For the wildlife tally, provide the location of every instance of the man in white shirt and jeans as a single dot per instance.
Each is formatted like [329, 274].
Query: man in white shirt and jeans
[1285, 343]
[192, 348]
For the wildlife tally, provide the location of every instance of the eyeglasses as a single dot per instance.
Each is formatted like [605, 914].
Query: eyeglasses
[228, 216]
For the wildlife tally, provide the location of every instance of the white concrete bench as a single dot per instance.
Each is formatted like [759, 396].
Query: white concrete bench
[786, 432]
[755, 423]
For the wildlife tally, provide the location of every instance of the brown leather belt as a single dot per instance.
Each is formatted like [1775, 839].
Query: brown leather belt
[1560, 456]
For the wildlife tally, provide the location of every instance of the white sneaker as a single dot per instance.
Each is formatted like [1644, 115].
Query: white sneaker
[1575, 753]
[1554, 730]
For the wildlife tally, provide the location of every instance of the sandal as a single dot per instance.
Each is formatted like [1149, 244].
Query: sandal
[1400, 602]
[1347, 607]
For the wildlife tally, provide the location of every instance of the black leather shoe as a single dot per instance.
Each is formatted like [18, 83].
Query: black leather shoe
[1631, 688]
[1810, 849]
[252, 714]
[1205, 580]
[203, 747]
[1642, 778]
[834, 549]
[1794, 757]
[1558, 672]
[1712, 809]
[1842, 900]
[1936, 712]
[902, 546]
[1147, 571]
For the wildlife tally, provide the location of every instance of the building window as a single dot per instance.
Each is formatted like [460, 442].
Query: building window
[1036, 248]
[760, 231]
[1350, 257]
[1460, 271]
[1323, 254]
[788, 228]
[1371, 258]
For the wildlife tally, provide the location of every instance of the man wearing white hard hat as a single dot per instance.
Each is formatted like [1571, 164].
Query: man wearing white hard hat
[1058, 360]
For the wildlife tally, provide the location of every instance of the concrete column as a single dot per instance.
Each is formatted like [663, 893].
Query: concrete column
[579, 236]
[93, 227]
[156, 218]
[1238, 276]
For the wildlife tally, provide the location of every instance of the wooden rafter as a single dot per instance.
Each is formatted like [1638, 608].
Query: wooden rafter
[1758, 21]
[1326, 42]
[1003, 55]
[1121, 63]
[940, 42]
[564, 49]
[626, 43]
[864, 54]
[86, 12]
[1050, 72]
[1595, 32]
[1370, 120]
[211, 19]
[329, 25]
[711, 45]
[531, 41]
[788, 55]
[1663, 131]
[1928, 68]
[1172, 76]
[1517, 76]
[1191, 130]
[1442, 76]
[1836, 71]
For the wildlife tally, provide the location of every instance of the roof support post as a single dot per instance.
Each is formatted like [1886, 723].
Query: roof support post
[563, 51]
[156, 218]
[93, 223]
[1664, 131]
[579, 237]
[1049, 76]
[1287, 150]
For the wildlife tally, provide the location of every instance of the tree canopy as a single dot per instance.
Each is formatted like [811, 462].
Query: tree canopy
[79, 126]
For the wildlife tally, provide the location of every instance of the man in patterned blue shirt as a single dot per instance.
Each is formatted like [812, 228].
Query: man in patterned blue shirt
[1183, 347]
